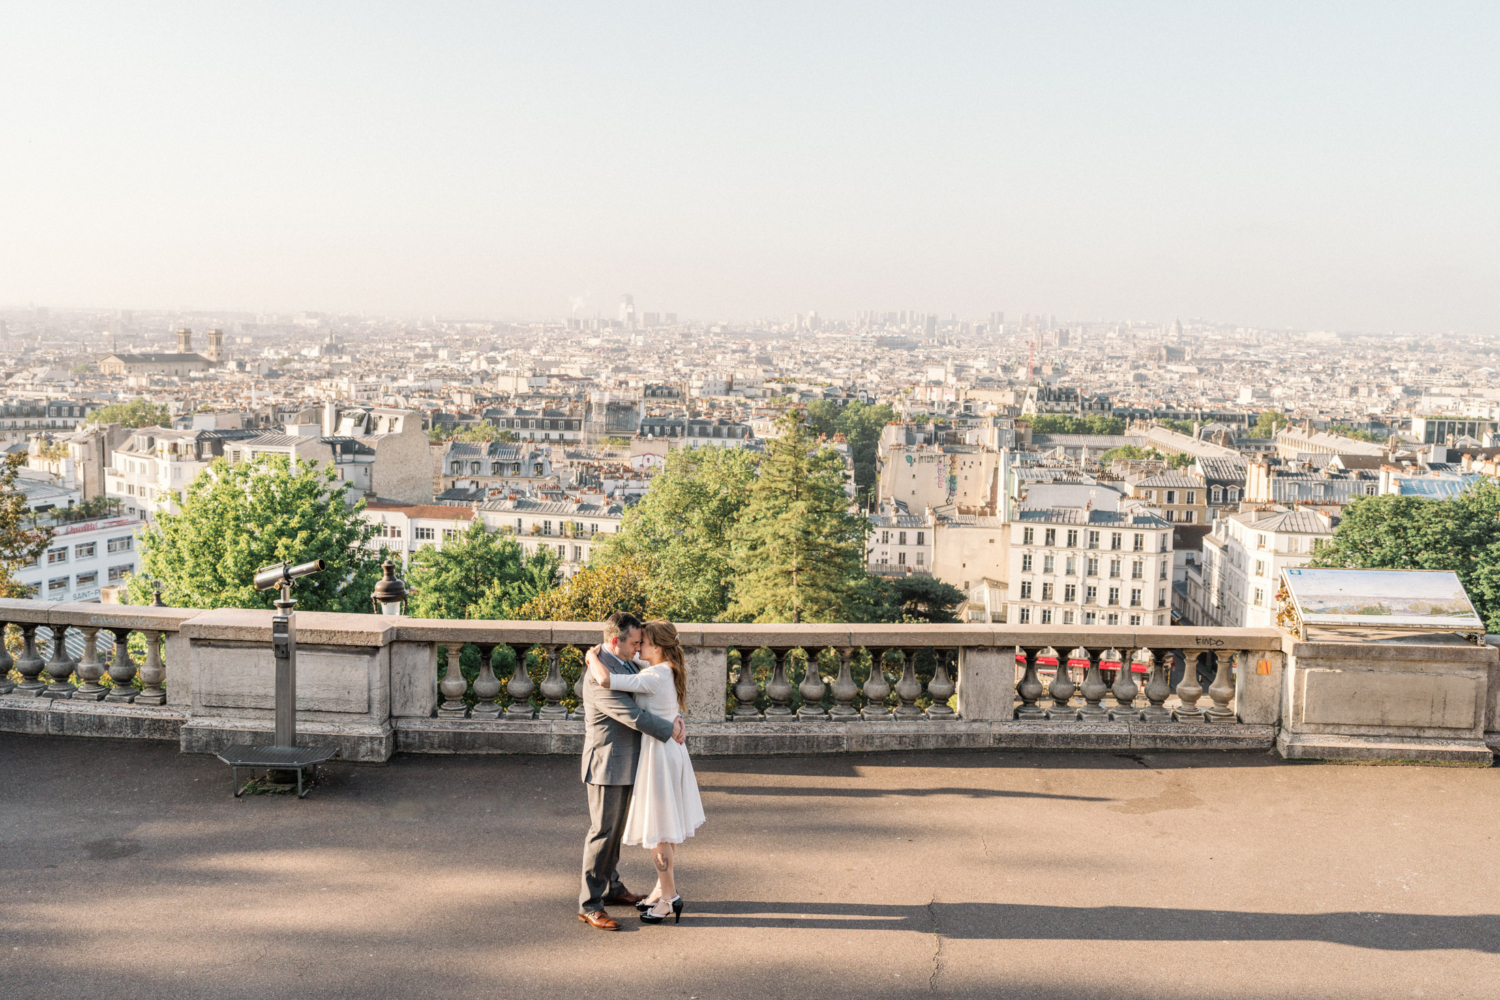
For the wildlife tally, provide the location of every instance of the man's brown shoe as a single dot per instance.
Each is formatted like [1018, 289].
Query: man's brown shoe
[599, 919]
[626, 898]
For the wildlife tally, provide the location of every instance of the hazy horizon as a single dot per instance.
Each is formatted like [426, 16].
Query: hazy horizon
[1283, 167]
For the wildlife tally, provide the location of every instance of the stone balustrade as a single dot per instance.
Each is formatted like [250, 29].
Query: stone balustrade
[372, 685]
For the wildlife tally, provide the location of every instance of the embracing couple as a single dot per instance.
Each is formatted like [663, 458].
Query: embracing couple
[640, 782]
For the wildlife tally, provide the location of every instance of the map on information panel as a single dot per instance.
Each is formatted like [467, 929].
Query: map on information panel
[1382, 598]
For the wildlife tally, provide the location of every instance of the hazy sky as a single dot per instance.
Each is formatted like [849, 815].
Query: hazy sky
[1302, 164]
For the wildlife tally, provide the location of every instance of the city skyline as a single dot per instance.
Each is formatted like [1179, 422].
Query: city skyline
[1281, 168]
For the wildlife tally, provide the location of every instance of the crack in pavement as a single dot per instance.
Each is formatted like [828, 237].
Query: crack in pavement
[937, 947]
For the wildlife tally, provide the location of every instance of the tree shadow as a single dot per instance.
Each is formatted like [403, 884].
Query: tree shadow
[876, 793]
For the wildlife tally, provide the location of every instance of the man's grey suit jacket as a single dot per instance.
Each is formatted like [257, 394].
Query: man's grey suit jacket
[612, 727]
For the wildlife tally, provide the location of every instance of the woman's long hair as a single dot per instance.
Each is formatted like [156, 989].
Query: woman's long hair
[663, 634]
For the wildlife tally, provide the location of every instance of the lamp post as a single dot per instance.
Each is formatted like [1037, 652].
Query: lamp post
[390, 593]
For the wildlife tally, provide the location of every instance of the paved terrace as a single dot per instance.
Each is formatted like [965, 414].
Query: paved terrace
[127, 870]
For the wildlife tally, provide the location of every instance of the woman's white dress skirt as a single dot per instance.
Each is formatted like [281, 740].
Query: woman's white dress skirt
[665, 806]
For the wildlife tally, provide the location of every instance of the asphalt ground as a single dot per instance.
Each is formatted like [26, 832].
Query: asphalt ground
[129, 870]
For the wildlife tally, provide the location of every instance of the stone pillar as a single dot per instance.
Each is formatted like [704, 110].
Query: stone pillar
[486, 685]
[986, 683]
[153, 672]
[1061, 692]
[746, 691]
[1029, 687]
[877, 690]
[1125, 688]
[553, 687]
[779, 689]
[453, 686]
[1158, 686]
[1094, 689]
[908, 688]
[707, 682]
[519, 687]
[812, 689]
[121, 668]
[1189, 690]
[90, 668]
[29, 664]
[60, 665]
[1222, 689]
[844, 689]
[940, 689]
[7, 663]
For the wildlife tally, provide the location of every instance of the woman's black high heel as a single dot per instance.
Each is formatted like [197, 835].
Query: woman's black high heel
[655, 918]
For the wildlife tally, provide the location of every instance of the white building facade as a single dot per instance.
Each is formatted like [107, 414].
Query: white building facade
[1089, 567]
[1236, 584]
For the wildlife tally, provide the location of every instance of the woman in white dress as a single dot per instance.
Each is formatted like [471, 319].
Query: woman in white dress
[665, 809]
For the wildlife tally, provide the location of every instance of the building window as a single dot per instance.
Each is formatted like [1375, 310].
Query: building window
[1138, 570]
[1135, 619]
[1234, 494]
[1072, 537]
[1090, 618]
[1260, 541]
[57, 586]
[89, 579]
[921, 538]
[546, 527]
[1070, 593]
[57, 555]
[1260, 567]
[1140, 543]
[1191, 497]
[919, 559]
[1114, 569]
[1187, 516]
[1116, 540]
[562, 552]
[118, 573]
[900, 558]
[885, 538]
[901, 538]
[1260, 595]
[1028, 535]
[1072, 566]
[1026, 591]
[1046, 616]
[1026, 562]
[1047, 563]
[1216, 495]
[424, 534]
[1112, 619]
[85, 550]
[1093, 539]
[1067, 617]
[1163, 570]
[1135, 597]
[449, 532]
[1090, 595]
[1025, 616]
[1046, 591]
[1049, 536]
[1161, 598]
[1171, 496]
[1114, 595]
[125, 544]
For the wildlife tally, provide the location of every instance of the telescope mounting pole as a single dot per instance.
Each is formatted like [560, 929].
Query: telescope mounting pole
[284, 641]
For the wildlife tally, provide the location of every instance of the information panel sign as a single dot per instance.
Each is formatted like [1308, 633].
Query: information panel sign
[1382, 598]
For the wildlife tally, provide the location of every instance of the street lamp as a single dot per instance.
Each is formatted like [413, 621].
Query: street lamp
[390, 593]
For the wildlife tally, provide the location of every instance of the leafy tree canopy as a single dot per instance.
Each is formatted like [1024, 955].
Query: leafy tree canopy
[1268, 423]
[1131, 451]
[861, 425]
[21, 540]
[1180, 426]
[136, 413]
[477, 574]
[596, 592]
[236, 519]
[679, 532]
[479, 433]
[926, 599]
[1401, 532]
[1068, 423]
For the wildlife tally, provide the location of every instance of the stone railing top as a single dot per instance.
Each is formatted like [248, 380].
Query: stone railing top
[313, 627]
[87, 615]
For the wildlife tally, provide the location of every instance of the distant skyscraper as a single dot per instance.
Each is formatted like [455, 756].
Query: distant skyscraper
[930, 328]
[1062, 338]
[627, 311]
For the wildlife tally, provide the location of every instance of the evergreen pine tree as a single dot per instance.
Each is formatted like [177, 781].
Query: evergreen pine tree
[798, 551]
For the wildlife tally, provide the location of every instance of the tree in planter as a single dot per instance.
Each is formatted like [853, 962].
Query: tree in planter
[21, 541]
[797, 550]
[477, 574]
[679, 532]
[236, 519]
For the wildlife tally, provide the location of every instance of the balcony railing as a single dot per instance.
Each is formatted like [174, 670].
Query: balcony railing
[373, 684]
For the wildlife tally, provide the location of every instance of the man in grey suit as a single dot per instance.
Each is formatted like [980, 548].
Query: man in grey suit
[612, 727]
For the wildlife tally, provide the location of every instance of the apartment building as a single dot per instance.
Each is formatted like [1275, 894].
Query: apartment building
[693, 432]
[93, 544]
[1181, 497]
[900, 544]
[481, 467]
[21, 418]
[570, 528]
[1071, 566]
[1236, 580]
[564, 426]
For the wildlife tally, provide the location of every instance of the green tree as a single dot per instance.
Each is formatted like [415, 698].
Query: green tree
[1067, 423]
[477, 574]
[1268, 423]
[236, 519]
[797, 549]
[478, 433]
[1181, 460]
[1131, 451]
[926, 599]
[615, 442]
[596, 592]
[21, 541]
[1401, 532]
[1180, 426]
[1344, 430]
[679, 532]
[862, 424]
[136, 413]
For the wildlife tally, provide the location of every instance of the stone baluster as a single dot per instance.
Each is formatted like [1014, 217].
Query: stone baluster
[940, 689]
[1222, 688]
[1060, 690]
[1189, 690]
[59, 665]
[812, 689]
[153, 672]
[779, 689]
[121, 668]
[453, 686]
[844, 688]
[908, 688]
[90, 668]
[746, 691]
[1125, 688]
[486, 685]
[1158, 685]
[7, 663]
[1094, 689]
[1029, 687]
[553, 687]
[877, 690]
[520, 688]
[29, 663]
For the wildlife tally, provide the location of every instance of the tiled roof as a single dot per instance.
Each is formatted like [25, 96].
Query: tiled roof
[432, 510]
